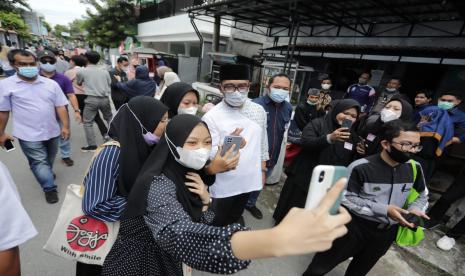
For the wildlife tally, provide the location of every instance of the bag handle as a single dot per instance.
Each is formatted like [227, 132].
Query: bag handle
[96, 153]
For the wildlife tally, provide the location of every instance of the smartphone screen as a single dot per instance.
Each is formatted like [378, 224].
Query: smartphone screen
[9, 145]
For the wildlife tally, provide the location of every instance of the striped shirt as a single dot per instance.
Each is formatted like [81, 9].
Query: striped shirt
[100, 199]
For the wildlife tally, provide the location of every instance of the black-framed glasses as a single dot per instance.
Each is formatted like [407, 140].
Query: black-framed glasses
[229, 87]
[48, 60]
[408, 146]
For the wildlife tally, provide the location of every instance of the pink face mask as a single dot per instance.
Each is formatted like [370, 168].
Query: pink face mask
[150, 138]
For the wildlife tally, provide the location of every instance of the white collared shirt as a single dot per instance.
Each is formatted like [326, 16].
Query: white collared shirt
[222, 120]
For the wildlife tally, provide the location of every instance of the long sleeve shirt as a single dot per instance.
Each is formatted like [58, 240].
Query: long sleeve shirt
[198, 245]
[369, 192]
[278, 116]
[458, 119]
[364, 94]
[101, 200]
[222, 120]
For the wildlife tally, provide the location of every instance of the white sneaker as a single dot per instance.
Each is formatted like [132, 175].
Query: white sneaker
[445, 243]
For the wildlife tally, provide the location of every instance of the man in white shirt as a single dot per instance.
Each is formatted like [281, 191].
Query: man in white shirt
[237, 114]
[16, 226]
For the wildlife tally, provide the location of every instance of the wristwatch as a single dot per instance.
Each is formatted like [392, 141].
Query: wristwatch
[209, 202]
[77, 110]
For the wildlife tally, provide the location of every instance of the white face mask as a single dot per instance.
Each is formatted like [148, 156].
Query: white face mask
[190, 110]
[388, 115]
[193, 159]
[325, 86]
[236, 98]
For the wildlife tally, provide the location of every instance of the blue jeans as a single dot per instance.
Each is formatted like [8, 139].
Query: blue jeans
[9, 73]
[65, 147]
[40, 156]
[255, 194]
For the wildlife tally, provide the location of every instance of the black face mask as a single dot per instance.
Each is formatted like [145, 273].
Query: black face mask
[399, 156]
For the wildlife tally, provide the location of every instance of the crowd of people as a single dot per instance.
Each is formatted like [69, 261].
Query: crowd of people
[180, 197]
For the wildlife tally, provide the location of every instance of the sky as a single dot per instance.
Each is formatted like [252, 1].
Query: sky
[59, 11]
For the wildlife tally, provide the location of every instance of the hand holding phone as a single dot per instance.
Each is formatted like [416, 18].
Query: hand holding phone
[229, 141]
[9, 146]
[340, 134]
[346, 123]
[323, 178]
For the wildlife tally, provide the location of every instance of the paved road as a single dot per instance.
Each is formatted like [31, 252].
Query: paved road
[36, 262]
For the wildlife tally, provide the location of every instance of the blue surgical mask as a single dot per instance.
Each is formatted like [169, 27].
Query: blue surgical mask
[391, 90]
[278, 95]
[28, 71]
[236, 98]
[47, 67]
[445, 105]
[312, 103]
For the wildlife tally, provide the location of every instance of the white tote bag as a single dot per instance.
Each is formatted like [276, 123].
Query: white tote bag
[79, 237]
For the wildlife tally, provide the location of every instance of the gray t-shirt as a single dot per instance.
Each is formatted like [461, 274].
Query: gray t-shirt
[96, 81]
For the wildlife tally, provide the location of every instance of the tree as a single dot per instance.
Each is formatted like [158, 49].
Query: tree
[112, 22]
[46, 24]
[13, 5]
[13, 21]
[77, 27]
[60, 29]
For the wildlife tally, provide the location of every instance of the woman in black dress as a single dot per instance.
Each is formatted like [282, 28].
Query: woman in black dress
[167, 216]
[324, 142]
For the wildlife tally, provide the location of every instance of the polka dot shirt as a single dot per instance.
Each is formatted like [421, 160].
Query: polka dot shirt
[174, 239]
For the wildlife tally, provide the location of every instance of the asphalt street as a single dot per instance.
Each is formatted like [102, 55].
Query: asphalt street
[36, 262]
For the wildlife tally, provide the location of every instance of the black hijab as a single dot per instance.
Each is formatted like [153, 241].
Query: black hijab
[161, 161]
[374, 123]
[126, 129]
[173, 96]
[338, 106]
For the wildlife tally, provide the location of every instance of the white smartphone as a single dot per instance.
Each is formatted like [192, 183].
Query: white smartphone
[229, 141]
[323, 178]
[9, 146]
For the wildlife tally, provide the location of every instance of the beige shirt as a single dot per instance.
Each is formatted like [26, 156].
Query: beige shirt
[71, 74]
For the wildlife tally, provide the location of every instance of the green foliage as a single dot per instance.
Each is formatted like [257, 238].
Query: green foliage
[13, 21]
[76, 27]
[46, 24]
[113, 21]
[59, 29]
[13, 5]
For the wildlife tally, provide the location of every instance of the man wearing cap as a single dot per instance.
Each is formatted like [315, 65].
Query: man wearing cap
[34, 102]
[278, 111]
[308, 110]
[48, 69]
[237, 115]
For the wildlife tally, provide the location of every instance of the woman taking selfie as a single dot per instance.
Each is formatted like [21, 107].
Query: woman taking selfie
[169, 204]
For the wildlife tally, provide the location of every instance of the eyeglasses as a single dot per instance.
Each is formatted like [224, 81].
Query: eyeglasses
[230, 88]
[408, 146]
[48, 60]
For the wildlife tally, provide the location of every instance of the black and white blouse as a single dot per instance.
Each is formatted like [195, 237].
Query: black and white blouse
[171, 238]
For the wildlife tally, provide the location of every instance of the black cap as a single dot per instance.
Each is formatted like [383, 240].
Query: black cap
[45, 53]
[234, 72]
